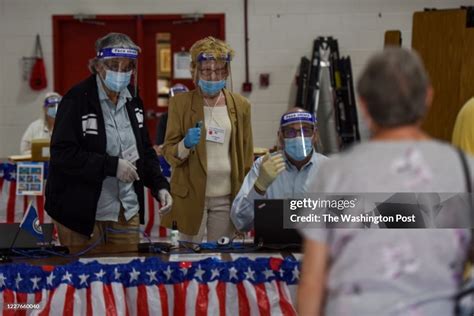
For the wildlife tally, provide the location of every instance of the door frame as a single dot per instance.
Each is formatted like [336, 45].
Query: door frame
[139, 21]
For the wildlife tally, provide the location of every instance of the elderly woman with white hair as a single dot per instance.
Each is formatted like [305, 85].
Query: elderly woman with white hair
[42, 128]
[101, 155]
[388, 271]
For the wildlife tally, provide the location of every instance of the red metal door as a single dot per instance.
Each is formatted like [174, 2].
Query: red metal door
[74, 38]
[184, 32]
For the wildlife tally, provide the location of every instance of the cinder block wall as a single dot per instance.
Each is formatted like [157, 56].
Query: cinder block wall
[280, 31]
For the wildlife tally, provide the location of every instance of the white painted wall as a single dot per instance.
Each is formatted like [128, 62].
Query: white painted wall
[280, 31]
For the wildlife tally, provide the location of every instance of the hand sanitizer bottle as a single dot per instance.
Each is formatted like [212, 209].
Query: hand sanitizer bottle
[174, 235]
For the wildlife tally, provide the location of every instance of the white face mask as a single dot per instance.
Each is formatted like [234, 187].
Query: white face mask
[117, 81]
[51, 111]
[298, 148]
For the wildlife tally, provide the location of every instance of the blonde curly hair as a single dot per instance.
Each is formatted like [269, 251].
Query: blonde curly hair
[210, 45]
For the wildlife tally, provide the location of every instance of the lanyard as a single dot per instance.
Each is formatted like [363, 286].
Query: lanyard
[212, 109]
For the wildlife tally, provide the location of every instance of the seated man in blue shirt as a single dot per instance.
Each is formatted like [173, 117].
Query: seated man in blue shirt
[280, 176]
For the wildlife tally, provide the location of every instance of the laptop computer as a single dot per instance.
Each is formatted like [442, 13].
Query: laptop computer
[24, 240]
[405, 205]
[268, 224]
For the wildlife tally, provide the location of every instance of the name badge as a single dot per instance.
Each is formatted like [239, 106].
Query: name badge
[215, 134]
[131, 154]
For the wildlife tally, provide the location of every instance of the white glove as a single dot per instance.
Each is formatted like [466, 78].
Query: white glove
[126, 171]
[165, 200]
[270, 168]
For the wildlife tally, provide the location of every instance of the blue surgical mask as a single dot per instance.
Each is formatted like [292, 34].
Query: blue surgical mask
[117, 81]
[298, 148]
[211, 87]
[51, 111]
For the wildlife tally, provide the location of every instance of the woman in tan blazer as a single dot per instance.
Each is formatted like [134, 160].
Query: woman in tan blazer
[209, 145]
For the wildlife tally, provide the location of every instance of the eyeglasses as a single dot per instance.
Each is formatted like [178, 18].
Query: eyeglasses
[220, 72]
[115, 65]
[305, 131]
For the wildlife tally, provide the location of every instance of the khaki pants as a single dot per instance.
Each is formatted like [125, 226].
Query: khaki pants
[216, 219]
[68, 237]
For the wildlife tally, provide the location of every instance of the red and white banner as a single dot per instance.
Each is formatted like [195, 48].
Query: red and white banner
[152, 287]
[13, 207]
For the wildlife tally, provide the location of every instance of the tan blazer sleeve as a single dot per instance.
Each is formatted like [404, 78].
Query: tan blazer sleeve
[248, 137]
[174, 134]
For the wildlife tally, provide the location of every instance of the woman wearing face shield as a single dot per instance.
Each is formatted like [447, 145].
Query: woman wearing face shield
[101, 155]
[209, 145]
[42, 127]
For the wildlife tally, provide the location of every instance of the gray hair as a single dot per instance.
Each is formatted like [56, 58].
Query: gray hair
[394, 85]
[108, 41]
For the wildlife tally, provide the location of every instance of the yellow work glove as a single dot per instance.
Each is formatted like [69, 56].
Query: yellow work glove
[269, 169]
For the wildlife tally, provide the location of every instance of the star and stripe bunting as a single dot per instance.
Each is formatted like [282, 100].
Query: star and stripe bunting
[13, 207]
[154, 287]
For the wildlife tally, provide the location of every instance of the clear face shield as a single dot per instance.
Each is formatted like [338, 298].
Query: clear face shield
[177, 89]
[213, 73]
[297, 130]
[120, 68]
[51, 105]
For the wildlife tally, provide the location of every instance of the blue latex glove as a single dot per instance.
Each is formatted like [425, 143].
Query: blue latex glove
[192, 137]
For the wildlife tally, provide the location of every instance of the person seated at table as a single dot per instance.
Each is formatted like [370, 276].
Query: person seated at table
[388, 271]
[42, 127]
[283, 174]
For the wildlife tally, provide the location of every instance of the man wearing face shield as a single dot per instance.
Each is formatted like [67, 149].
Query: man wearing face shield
[208, 144]
[284, 174]
[101, 155]
[42, 127]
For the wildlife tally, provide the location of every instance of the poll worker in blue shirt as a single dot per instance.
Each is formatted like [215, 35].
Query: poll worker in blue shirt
[283, 174]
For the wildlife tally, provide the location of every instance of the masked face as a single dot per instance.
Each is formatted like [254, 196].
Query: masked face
[51, 111]
[211, 88]
[117, 81]
[212, 77]
[298, 140]
[298, 148]
[117, 72]
[51, 103]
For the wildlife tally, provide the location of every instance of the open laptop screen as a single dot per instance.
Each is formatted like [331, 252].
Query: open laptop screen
[268, 223]
[24, 239]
